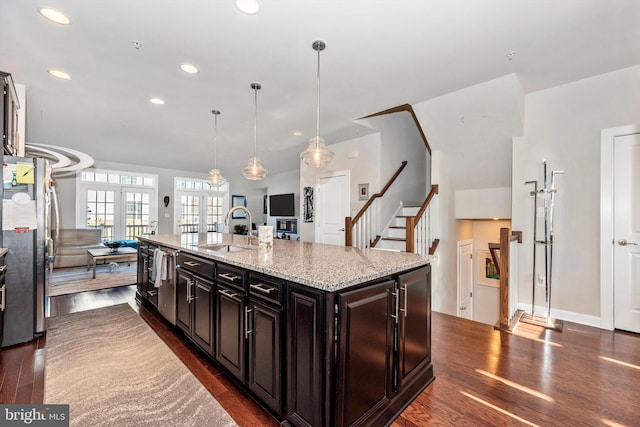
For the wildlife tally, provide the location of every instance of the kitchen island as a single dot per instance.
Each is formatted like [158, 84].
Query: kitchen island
[320, 335]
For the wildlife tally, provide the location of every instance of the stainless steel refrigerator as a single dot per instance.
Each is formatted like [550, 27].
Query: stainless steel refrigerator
[26, 232]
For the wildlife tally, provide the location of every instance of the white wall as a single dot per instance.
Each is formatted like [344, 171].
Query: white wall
[562, 125]
[444, 268]
[486, 203]
[361, 156]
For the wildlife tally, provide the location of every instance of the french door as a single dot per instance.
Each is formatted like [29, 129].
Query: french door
[121, 213]
[199, 211]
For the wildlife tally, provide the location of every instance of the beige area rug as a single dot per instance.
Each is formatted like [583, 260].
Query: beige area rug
[113, 370]
[78, 279]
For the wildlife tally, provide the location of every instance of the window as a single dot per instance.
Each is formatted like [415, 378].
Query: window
[201, 208]
[123, 205]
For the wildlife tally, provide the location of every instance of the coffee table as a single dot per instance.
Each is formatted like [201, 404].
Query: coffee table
[95, 255]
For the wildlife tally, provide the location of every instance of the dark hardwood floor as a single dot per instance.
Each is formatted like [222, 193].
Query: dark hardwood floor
[581, 376]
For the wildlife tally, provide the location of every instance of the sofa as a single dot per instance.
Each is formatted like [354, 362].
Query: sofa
[72, 246]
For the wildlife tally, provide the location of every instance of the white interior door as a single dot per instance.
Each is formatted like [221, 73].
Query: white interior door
[332, 208]
[465, 279]
[627, 232]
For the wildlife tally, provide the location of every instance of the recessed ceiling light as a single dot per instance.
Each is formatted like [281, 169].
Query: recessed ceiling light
[189, 69]
[156, 101]
[59, 74]
[250, 7]
[297, 133]
[54, 16]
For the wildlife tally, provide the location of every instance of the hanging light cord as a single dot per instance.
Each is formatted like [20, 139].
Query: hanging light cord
[255, 122]
[215, 143]
[318, 97]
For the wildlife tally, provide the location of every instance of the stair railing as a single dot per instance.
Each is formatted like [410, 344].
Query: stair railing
[420, 229]
[362, 230]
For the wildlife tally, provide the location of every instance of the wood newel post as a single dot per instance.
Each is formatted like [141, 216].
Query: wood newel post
[410, 223]
[504, 278]
[348, 226]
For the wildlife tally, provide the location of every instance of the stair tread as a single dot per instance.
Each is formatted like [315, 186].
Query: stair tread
[395, 239]
[397, 226]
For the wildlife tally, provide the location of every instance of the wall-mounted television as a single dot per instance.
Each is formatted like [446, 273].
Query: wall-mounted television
[282, 205]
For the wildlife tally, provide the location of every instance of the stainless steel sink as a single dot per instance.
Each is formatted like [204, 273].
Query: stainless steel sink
[219, 247]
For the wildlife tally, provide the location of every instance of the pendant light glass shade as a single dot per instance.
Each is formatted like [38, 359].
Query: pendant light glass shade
[317, 154]
[216, 180]
[254, 170]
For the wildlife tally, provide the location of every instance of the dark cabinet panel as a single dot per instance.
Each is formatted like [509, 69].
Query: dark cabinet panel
[230, 330]
[265, 363]
[414, 324]
[365, 352]
[183, 300]
[202, 305]
[304, 357]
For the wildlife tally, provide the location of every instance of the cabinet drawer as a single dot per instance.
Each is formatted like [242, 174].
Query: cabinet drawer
[231, 275]
[266, 288]
[200, 266]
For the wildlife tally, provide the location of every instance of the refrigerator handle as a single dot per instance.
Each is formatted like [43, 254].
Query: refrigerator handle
[3, 289]
[56, 215]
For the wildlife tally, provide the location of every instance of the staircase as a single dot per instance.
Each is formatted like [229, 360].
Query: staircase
[394, 236]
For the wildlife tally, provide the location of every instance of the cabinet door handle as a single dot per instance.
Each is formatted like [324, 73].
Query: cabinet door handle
[623, 242]
[229, 276]
[191, 263]
[247, 310]
[396, 299]
[227, 293]
[405, 290]
[260, 287]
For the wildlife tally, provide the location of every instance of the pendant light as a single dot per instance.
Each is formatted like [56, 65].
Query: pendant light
[254, 171]
[317, 154]
[216, 180]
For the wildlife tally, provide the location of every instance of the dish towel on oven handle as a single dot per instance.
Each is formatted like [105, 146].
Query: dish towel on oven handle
[159, 270]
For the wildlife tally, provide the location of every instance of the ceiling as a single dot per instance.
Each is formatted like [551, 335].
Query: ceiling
[380, 54]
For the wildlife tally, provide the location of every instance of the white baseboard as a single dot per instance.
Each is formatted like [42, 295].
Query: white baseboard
[569, 316]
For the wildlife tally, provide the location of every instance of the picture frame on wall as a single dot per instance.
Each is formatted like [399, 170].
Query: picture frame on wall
[488, 273]
[363, 191]
[237, 200]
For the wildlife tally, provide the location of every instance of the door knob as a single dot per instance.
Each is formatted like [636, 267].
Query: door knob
[623, 242]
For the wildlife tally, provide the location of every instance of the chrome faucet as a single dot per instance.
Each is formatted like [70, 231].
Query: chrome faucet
[242, 208]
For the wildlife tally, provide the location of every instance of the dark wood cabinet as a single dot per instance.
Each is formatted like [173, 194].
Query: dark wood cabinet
[365, 348]
[145, 287]
[264, 340]
[194, 300]
[9, 106]
[184, 288]
[356, 357]
[305, 351]
[231, 319]
[313, 357]
[414, 325]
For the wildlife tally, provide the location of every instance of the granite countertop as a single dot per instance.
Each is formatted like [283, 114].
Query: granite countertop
[326, 267]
